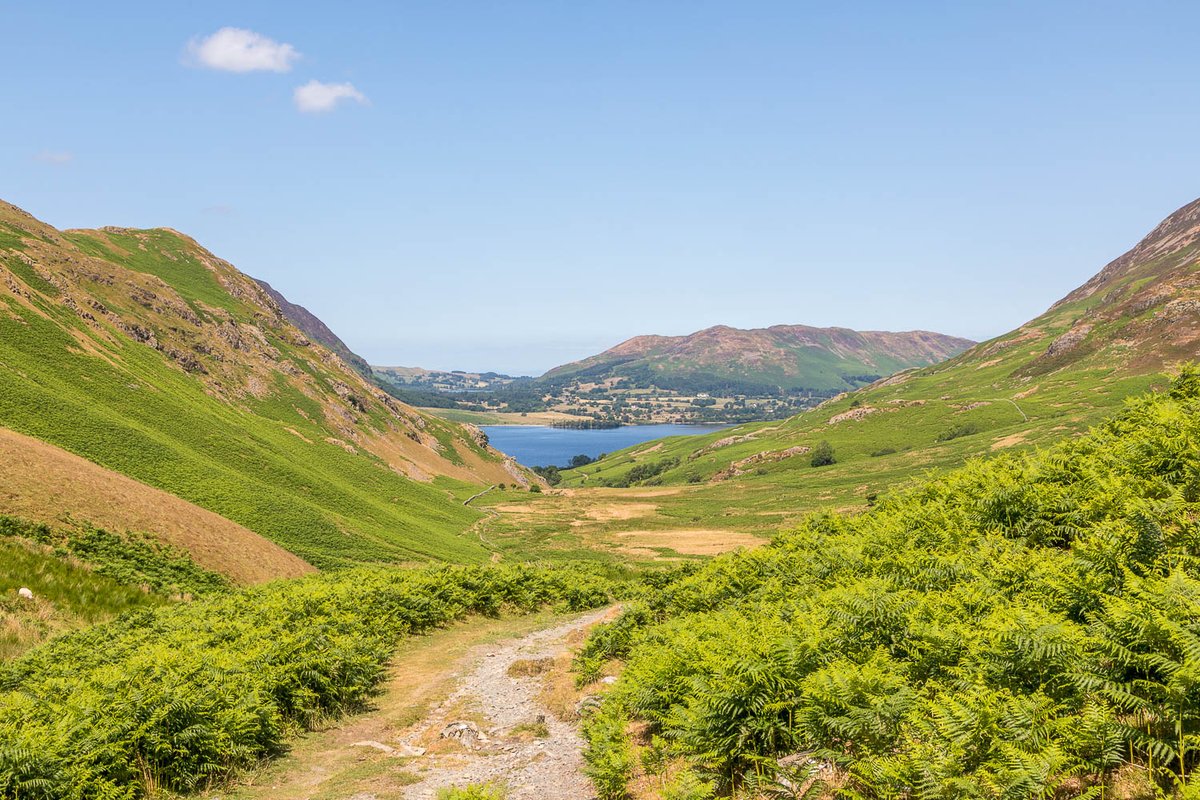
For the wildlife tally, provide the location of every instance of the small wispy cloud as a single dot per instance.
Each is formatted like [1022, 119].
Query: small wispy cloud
[241, 50]
[315, 97]
[56, 157]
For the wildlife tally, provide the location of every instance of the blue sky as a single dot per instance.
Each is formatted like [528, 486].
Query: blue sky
[510, 185]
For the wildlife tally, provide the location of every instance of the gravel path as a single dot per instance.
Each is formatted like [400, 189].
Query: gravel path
[549, 768]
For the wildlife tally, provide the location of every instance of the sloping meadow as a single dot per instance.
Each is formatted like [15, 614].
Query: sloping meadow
[1025, 626]
[177, 698]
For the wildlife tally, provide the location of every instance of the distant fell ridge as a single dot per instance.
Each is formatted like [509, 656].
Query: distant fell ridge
[1066, 369]
[791, 357]
[1177, 234]
[312, 327]
[1139, 314]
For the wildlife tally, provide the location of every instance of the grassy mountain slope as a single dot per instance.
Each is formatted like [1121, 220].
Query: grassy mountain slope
[46, 484]
[144, 353]
[1052, 377]
[784, 356]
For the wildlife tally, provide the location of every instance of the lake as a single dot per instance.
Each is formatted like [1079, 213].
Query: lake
[541, 446]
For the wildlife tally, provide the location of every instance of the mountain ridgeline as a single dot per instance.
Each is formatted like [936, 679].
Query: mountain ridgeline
[1055, 375]
[312, 327]
[156, 361]
[788, 357]
[1022, 626]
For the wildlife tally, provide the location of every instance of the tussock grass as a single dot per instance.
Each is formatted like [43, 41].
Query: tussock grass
[529, 667]
[67, 595]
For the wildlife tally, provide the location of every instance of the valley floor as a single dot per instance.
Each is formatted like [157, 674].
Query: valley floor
[472, 677]
[503, 417]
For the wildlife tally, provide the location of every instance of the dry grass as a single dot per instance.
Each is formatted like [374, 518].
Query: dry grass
[625, 524]
[651, 492]
[529, 667]
[610, 511]
[1131, 782]
[1010, 441]
[24, 623]
[607, 512]
[532, 509]
[559, 694]
[422, 463]
[41, 482]
[697, 542]
[67, 595]
[528, 731]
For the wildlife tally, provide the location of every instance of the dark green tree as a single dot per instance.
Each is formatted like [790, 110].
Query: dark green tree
[822, 455]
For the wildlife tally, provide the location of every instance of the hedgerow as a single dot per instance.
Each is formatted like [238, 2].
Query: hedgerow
[1025, 626]
[177, 698]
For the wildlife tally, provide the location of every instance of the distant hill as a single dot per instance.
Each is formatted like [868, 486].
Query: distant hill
[1053, 376]
[795, 357]
[148, 356]
[312, 327]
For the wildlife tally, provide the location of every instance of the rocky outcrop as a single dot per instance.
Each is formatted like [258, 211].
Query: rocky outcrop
[742, 466]
[1068, 341]
[854, 414]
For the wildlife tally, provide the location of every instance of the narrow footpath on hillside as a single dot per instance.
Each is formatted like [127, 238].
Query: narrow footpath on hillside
[483, 701]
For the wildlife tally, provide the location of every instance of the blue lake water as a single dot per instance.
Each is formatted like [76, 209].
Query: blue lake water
[540, 446]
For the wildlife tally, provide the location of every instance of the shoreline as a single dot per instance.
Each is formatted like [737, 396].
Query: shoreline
[546, 419]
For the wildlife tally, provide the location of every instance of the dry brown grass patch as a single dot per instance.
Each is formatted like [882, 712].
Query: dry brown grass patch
[559, 693]
[528, 731]
[609, 512]
[700, 542]
[529, 667]
[1010, 441]
[38, 481]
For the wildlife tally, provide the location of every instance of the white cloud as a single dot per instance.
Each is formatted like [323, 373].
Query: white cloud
[316, 97]
[240, 50]
[56, 157]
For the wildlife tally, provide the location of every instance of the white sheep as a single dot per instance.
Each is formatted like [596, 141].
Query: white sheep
[26, 593]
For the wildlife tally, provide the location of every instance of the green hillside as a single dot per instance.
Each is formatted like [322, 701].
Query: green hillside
[146, 354]
[1025, 626]
[783, 357]
[1050, 378]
